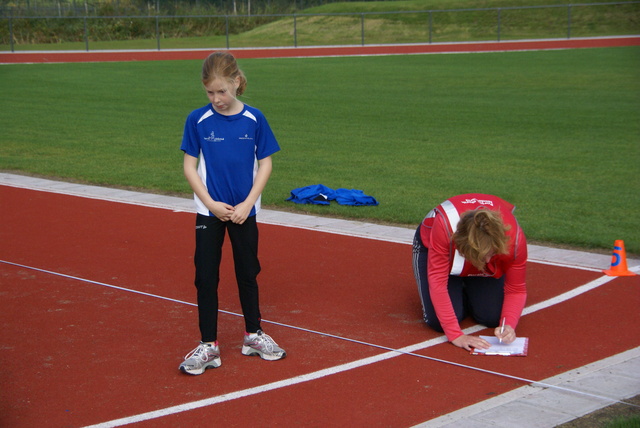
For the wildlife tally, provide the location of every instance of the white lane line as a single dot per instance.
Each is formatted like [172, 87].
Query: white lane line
[391, 353]
[291, 220]
[407, 350]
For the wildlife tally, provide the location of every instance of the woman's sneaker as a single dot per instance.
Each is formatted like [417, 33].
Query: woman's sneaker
[203, 357]
[263, 345]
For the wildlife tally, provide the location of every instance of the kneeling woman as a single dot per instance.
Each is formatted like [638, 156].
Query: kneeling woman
[469, 258]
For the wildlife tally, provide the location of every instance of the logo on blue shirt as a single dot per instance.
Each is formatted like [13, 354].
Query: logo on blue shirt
[213, 138]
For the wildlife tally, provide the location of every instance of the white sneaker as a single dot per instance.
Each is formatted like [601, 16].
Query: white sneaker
[200, 359]
[263, 345]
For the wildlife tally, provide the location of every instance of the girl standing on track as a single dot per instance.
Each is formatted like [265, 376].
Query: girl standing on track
[227, 161]
[469, 256]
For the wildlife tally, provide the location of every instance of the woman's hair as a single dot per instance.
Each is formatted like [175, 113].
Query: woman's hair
[223, 65]
[479, 233]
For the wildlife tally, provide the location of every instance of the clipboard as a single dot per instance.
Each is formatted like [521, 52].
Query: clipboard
[518, 348]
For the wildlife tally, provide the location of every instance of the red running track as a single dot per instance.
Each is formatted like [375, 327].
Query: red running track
[293, 52]
[76, 351]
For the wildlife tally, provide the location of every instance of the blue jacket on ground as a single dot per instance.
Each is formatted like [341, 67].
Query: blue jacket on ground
[319, 194]
[354, 197]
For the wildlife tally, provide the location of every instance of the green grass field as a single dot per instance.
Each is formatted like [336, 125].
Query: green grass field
[556, 133]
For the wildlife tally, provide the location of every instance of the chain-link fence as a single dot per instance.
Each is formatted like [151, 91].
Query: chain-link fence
[60, 8]
[154, 31]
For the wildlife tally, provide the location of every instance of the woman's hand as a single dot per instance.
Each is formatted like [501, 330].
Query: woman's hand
[467, 342]
[507, 336]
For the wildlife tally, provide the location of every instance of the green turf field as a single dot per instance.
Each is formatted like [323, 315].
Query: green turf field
[556, 133]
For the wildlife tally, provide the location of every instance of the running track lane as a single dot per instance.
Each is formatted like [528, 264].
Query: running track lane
[77, 353]
[293, 52]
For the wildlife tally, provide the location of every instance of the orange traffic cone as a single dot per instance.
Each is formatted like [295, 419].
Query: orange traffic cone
[619, 261]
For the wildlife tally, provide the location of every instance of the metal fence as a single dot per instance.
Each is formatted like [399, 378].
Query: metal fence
[428, 26]
[152, 7]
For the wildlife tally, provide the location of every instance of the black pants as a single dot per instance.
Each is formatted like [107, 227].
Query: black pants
[480, 297]
[210, 234]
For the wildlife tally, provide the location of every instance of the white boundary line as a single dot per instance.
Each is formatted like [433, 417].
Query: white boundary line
[537, 254]
[391, 353]
[483, 411]
[301, 50]
[148, 200]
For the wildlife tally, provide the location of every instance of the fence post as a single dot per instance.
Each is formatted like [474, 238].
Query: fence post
[86, 34]
[11, 33]
[295, 31]
[226, 28]
[499, 22]
[362, 27]
[158, 31]
[569, 22]
[430, 25]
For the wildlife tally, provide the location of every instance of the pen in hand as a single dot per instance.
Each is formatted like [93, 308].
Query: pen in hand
[504, 320]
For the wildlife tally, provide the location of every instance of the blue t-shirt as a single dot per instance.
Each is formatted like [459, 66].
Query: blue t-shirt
[228, 149]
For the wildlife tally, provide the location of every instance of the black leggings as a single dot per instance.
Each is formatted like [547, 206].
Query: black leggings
[478, 296]
[210, 234]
